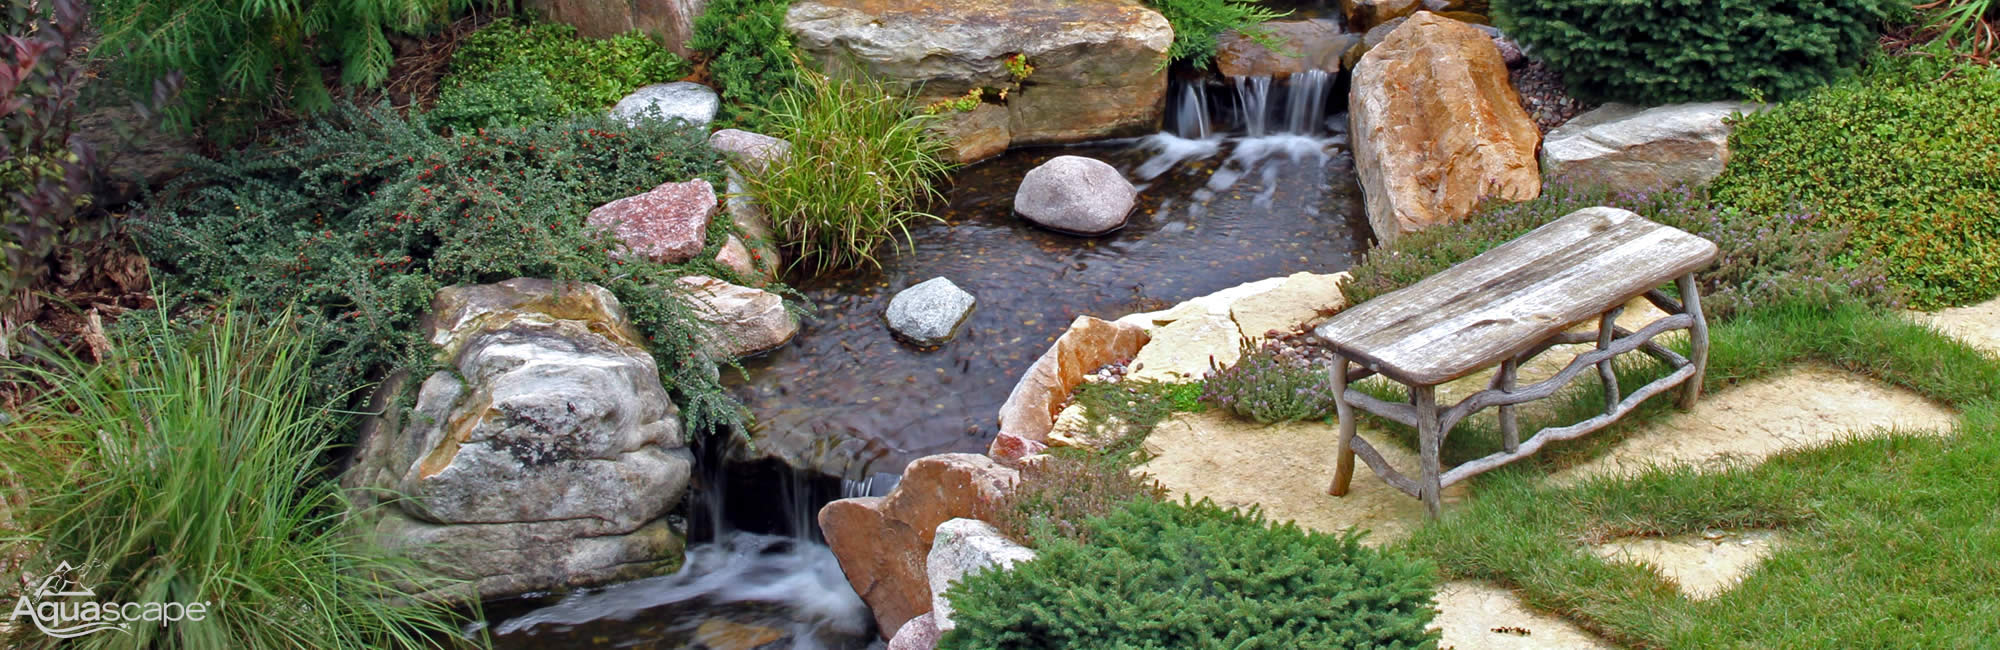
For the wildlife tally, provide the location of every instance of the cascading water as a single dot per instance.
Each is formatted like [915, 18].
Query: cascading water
[1304, 109]
[780, 584]
[1191, 119]
[1253, 101]
[1305, 102]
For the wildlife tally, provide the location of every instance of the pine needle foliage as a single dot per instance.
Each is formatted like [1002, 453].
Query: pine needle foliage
[358, 221]
[1668, 51]
[1198, 23]
[239, 55]
[750, 56]
[1194, 575]
[185, 469]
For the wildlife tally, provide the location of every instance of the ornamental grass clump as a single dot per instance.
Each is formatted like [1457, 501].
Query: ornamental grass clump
[1193, 575]
[1271, 383]
[862, 163]
[186, 469]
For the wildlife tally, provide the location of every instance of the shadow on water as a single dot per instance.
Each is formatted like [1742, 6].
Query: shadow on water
[848, 399]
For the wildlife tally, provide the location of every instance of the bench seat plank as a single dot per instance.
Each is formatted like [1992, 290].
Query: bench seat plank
[1507, 299]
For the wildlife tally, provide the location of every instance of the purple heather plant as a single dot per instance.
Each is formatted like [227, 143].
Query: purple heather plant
[1278, 381]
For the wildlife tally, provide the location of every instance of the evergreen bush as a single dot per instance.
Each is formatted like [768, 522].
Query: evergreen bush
[1667, 51]
[1906, 157]
[509, 73]
[357, 222]
[237, 55]
[1193, 575]
[750, 56]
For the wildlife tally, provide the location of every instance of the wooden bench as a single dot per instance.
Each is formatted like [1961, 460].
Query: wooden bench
[1504, 307]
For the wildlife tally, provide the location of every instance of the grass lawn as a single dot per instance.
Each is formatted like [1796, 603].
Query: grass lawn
[1890, 542]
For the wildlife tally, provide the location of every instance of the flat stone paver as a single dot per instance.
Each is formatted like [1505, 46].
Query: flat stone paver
[1978, 325]
[1483, 616]
[1808, 405]
[1705, 565]
[1285, 468]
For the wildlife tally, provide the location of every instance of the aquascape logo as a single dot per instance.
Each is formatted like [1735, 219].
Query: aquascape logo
[62, 608]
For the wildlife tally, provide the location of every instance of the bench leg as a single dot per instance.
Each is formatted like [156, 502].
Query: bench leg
[1430, 442]
[1343, 451]
[1510, 428]
[1697, 340]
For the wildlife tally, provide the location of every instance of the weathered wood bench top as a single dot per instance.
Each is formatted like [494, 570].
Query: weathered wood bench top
[1507, 299]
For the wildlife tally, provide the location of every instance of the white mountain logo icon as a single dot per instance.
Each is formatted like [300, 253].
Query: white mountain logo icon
[59, 585]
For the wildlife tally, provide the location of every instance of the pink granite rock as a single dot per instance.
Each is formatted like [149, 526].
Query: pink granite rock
[667, 225]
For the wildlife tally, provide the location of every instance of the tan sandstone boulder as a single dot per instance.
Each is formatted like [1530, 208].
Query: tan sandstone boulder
[884, 543]
[1098, 66]
[1030, 410]
[1437, 127]
[1365, 14]
[671, 22]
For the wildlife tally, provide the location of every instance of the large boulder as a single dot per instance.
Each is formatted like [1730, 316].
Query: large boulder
[1638, 148]
[745, 321]
[668, 224]
[1314, 44]
[1075, 195]
[1437, 127]
[930, 312]
[884, 543]
[1099, 66]
[1030, 410]
[963, 547]
[671, 22]
[680, 100]
[546, 456]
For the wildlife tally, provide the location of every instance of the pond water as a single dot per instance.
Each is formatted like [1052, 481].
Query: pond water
[848, 399]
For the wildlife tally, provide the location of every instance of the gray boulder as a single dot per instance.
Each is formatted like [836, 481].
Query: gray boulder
[684, 100]
[1638, 148]
[929, 313]
[745, 321]
[546, 456]
[1075, 195]
[961, 548]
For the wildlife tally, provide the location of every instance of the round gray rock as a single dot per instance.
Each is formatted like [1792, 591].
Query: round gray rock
[685, 100]
[929, 313]
[1076, 195]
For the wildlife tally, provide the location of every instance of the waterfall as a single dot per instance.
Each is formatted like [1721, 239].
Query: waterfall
[1253, 101]
[1191, 115]
[1302, 112]
[1305, 107]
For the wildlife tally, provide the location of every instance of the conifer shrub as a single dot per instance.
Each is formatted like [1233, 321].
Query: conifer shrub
[511, 73]
[1668, 51]
[240, 55]
[1198, 23]
[1194, 575]
[356, 223]
[1905, 156]
[750, 56]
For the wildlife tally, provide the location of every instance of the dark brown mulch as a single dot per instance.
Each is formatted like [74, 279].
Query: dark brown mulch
[90, 289]
[1544, 96]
